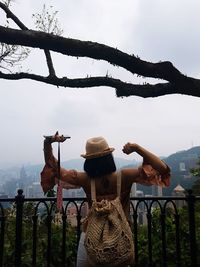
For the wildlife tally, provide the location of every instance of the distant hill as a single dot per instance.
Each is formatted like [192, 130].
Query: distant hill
[188, 157]
[181, 163]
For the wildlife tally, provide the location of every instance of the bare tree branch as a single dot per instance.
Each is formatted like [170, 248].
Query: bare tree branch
[10, 15]
[122, 89]
[49, 62]
[177, 83]
[77, 48]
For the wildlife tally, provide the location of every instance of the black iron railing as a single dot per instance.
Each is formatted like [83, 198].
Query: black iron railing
[33, 233]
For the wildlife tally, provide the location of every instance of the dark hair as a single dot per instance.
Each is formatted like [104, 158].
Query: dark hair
[100, 166]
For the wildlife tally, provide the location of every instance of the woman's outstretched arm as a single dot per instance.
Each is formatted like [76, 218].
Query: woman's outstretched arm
[153, 171]
[49, 174]
[148, 157]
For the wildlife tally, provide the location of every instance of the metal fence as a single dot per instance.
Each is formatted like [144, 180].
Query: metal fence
[165, 231]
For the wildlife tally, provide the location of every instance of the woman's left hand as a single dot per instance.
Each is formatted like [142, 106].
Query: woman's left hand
[129, 148]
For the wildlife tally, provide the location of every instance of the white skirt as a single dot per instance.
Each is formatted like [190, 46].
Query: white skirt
[81, 254]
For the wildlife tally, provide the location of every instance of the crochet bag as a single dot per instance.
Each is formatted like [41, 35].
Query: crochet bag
[108, 239]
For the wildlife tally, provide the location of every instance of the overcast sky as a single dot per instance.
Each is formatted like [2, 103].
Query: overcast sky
[154, 30]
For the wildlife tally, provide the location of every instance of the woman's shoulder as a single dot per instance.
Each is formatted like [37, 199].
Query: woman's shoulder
[129, 172]
[82, 177]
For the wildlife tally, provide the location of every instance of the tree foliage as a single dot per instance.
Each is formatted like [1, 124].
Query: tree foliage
[11, 55]
[173, 81]
[47, 21]
[170, 235]
[41, 249]
[196, 172]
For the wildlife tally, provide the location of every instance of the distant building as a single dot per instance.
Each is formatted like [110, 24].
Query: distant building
[139, 206]
[66, 193]
[157, 191]
[187, 176]
[1, 188]
[139, 193]
[29, 191]
[5, 205]
[37, 189]
[179, 191]
[182, 166]
[133, 190]
[34, 190]
[23, 174]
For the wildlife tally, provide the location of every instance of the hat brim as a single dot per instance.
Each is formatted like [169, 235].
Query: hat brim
[98, 154]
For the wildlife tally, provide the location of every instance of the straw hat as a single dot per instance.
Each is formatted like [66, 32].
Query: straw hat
[96, 147]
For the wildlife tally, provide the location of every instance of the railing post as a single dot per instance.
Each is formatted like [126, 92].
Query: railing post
[149, 227]
[135, 230]
[49, 240]
[178, 246]
[34, 219]
[2, 234]
[192, 227]
[78, 217]
[64, 221]
[19, 200]
[163, 228]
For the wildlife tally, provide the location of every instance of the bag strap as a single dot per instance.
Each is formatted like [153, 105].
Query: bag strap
[93, 189]
[119, 182]
[93, 186]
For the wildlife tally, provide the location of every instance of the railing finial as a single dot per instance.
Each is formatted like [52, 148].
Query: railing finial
[20, 192]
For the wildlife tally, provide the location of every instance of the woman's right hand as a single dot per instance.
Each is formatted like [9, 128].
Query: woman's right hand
[55, 138]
